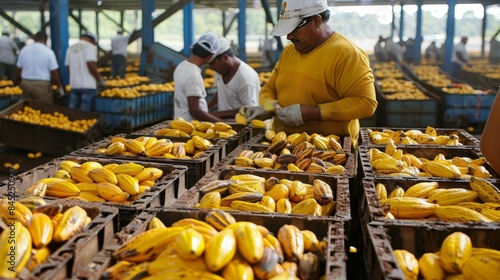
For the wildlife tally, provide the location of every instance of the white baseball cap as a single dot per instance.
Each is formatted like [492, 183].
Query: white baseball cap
[209, 42]
[223, 45]
[294, 11]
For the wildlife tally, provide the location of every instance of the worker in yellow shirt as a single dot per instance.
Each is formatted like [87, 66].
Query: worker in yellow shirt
[322, 82]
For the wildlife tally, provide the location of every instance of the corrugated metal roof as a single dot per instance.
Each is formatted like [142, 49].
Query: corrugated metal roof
[13, 5]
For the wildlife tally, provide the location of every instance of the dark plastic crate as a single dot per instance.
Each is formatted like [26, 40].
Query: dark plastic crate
[165, 192]
[45, 139]
[428, 153]
[418, 239]
[229, 161]
[197, 167]
[243, 135]
[8, 99]
[371, 208]
[340, 189]
[70, 256]
[260, 139]
[332, 232]
[464, 137]
[118, 105]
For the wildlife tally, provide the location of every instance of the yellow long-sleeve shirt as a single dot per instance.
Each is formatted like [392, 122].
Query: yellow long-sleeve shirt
[336, 76]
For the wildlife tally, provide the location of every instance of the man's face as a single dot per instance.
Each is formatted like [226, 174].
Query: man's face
[303, 36]
[218, 64]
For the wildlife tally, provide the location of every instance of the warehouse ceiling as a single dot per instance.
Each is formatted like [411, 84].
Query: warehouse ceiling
[119, 5]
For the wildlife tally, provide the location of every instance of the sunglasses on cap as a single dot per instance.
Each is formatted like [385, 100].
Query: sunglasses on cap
[304, 22]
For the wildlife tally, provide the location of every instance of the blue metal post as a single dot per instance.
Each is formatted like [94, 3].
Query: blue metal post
[418, 35]
[393, 23]
[242, 29]
[280, 45]
[188, 28]
[59, 34]
[147, 31]
[401, 23]
[450, 34]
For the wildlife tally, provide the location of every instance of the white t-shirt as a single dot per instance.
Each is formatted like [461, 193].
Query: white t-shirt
[459, 48]
[77, 57]
[242, 90]
[119, 45]
[188, 82]
[7, 47]
[36, 62]
[395, 49]
[270, 45]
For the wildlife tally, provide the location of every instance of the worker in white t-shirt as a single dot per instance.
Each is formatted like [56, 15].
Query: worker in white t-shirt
[8, 52]
[119, 54]
[36, 67]
[238, 84]
[84, 78]
[459, 57]
[189, 89]
[394, 50]
[269, 54]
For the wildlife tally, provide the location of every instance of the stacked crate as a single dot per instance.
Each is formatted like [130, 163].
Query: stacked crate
[46, 137]
[243, 134]
[131, 113]
[462, 105]
[339, 218]
[66, 258]
[403, 102]
[197, 166]
[383, 233]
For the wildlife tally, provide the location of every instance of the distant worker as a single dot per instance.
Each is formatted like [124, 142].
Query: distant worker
[459, 57]
[36, 67]
[379, 50]
[238, 84]
[119, 50]
[432, 51]
[8, 52]
[269, 54]
[84, 78]
[409, 50]
[394, 50]
[189, 90]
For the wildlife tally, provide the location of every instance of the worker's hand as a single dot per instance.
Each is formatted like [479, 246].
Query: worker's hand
[60, 92]
[257, 112]
[291, 115]
[101, 83]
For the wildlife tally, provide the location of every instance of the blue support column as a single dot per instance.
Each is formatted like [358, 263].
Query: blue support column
[483, 30]
[418, 35]
[393, 23]
[147, 31]
[401, 23]
[242, 30]
[59, 34]
[188, 28]
[280, 45]
[450, 34]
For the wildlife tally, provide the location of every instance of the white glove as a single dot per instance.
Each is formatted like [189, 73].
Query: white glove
[257, 112]
[291, 115]
[101, 82]
[60, 92]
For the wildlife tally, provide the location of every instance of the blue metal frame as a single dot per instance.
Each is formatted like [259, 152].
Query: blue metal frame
[450, 34]
[418, 35]
[59, 34]
[188, 28]
[147, 31]
[242, 30]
